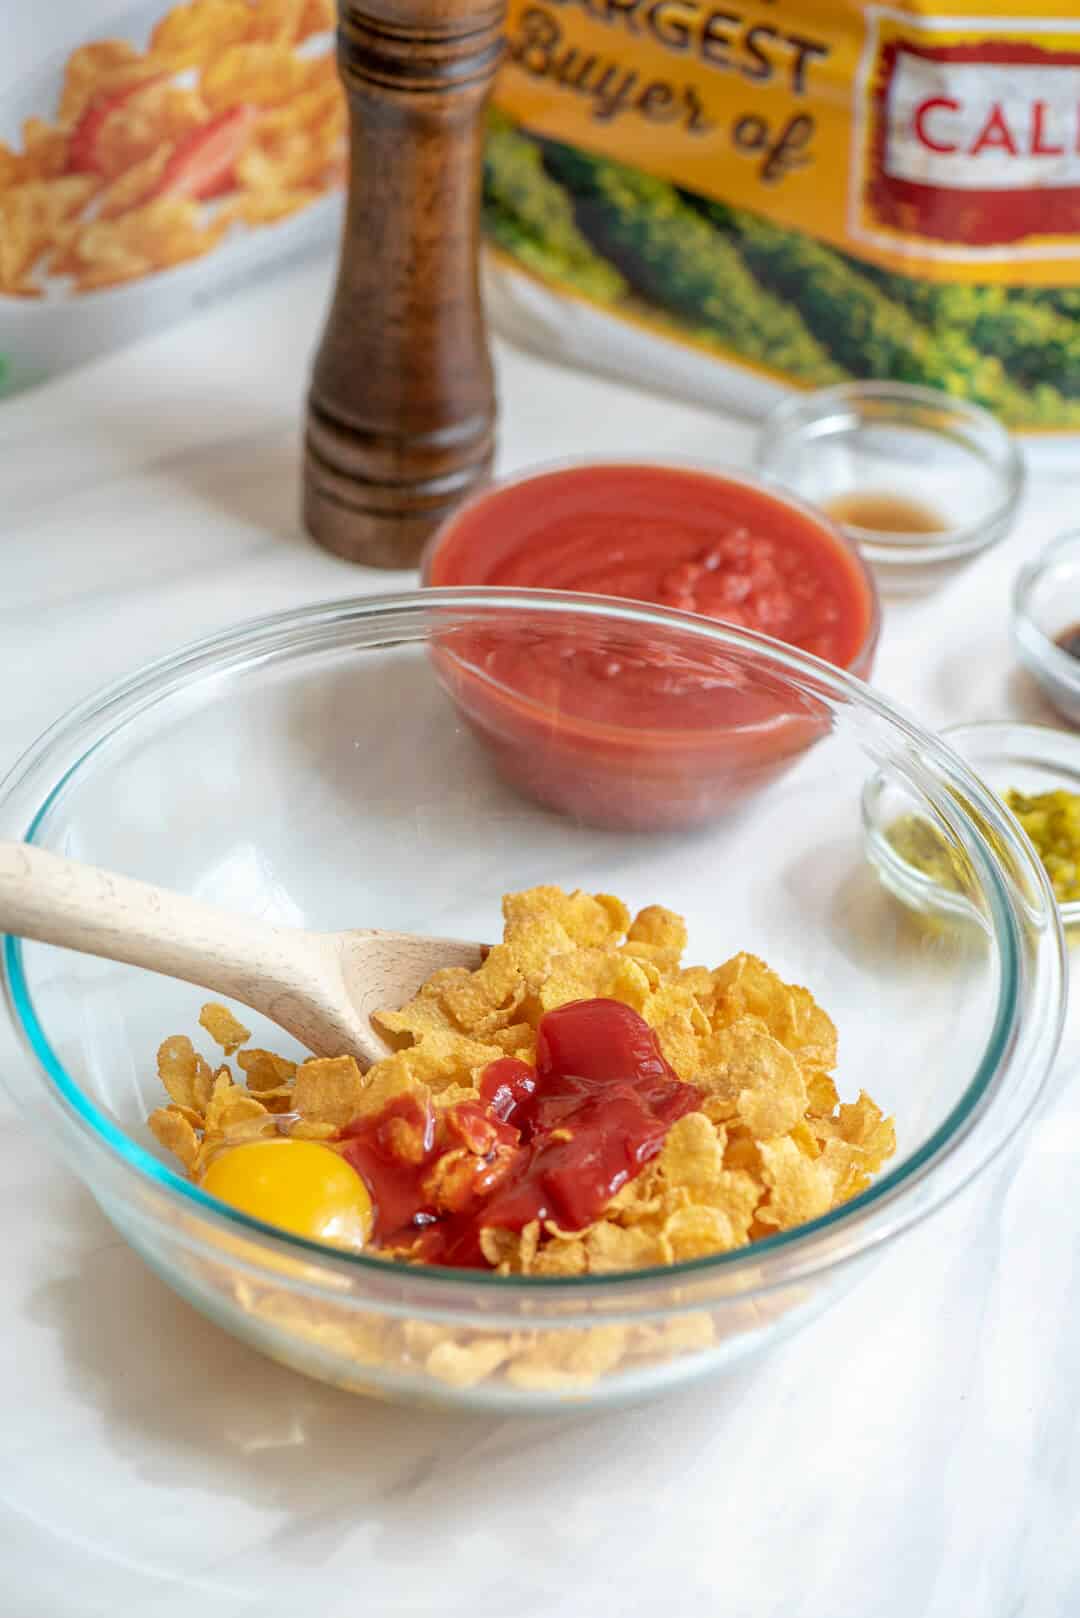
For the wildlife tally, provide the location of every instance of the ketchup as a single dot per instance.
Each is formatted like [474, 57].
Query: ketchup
[555, 1141]
[697, 541]
[617, 724]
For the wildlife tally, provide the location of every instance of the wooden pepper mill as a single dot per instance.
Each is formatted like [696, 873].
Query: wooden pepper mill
[402, 405]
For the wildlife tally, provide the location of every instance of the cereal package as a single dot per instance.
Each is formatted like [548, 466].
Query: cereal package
[735, 199]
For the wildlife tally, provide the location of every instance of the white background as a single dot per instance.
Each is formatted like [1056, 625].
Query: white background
[914, 1454]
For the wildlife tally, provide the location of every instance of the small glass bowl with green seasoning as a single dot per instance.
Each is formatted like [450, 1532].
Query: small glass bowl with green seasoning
[1035, 769]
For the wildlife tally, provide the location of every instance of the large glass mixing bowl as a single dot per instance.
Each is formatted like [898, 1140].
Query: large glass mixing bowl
[312, 769]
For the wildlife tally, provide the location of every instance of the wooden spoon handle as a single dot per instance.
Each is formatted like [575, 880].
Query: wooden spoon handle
[60, 901]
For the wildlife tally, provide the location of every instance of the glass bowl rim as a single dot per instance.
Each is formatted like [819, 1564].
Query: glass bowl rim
[1035, 733]
[802, 410]
[256, 641]
[1045, 657]
[1048, 743]
[752, 479]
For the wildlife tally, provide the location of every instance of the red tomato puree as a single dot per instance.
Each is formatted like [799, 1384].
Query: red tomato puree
[601, 726]
[554, 1141]
[680, 538]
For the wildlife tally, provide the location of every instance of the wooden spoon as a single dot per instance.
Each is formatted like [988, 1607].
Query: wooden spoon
[320, 987]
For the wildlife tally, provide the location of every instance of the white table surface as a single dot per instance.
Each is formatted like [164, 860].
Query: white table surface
[913, 1454]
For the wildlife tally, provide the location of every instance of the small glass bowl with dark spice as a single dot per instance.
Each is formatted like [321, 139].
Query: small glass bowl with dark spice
[919, 481]
[1035, 769]
[1046, 622]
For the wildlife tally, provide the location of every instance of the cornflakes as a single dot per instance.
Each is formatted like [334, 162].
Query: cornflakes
[188, 1077]
[308, 1129]
[328, 1090]
[225, 1029]
[565, 1359]
[264, 1071]
[463, 1365]
[693, 1153]
[107, 251]
[45, 150]
[174, 1130]
[99, 69]
[659, 930]
[285, 22]
[799, 1188]
[131, 187]
[32, 216]
[594, 973]
[189, 35]
[229, 1106]
[608, 1247]
[253, 75]
[222, 113]
[755, 1139]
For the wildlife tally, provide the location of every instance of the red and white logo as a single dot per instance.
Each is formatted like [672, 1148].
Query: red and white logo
[975, 144]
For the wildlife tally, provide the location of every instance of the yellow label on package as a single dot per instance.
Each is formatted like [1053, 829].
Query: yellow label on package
[823, 190]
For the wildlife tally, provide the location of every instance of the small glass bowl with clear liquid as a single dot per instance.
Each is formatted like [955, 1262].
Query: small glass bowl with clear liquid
[919, 481]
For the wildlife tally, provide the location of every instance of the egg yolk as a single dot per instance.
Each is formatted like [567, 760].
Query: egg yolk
[298, 1184]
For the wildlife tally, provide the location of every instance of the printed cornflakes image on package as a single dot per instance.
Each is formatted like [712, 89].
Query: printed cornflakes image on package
[207, 137]
[731, 200]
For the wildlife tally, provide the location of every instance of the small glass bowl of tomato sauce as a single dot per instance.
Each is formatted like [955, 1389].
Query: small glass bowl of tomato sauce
[919, 481]
[635, 726]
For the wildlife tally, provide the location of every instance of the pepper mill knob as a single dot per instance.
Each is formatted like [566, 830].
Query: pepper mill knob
[401, 409]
